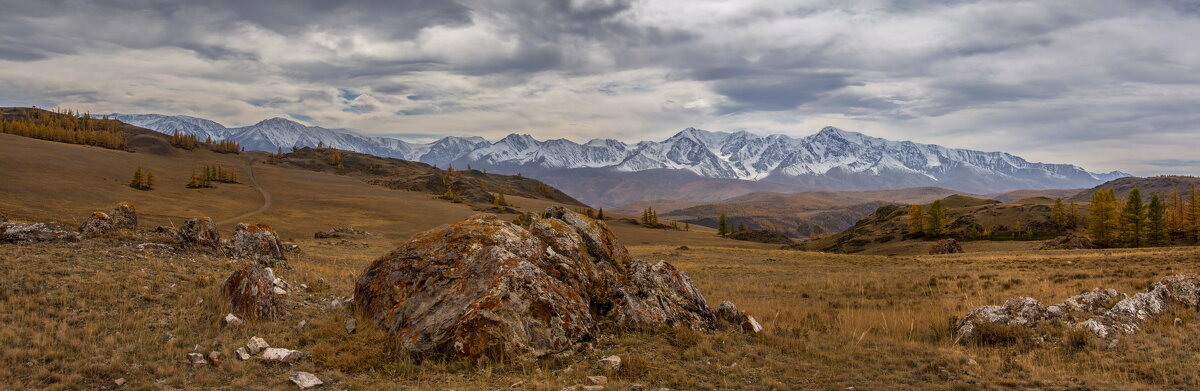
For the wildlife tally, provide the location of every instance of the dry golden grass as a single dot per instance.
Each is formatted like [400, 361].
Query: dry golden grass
[79, 315]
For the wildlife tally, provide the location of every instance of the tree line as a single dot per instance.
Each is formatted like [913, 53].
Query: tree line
[66, 126]
[1134, 223]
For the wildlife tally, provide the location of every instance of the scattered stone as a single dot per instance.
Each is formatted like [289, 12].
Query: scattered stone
[305, 380]
[242, 353]
[199, 233]
[341, 232]
[196, 359]
[124, 216]
[771, 260]
[611, 364]
[152, 246]
[258, 242]
[251, 292]
[468, 289]
[351, 326]
[946, 246]
[1068, 242]
[232, 320]
[598, 380]
[729, 316]
[300, 326]
[278, 290]
[1178, 322]
[99, 223]
[281, 354]
[1105, 313]
[168, 337]
[119, 382]
[636, 387]
[291, 248]
[752, 325]
[36, 232]
[256, 345]
[683, 248]
[215, 357]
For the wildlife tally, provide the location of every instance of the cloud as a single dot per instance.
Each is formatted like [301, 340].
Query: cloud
[1098, 85]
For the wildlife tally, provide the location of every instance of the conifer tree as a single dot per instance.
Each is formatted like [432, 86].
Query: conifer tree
[1133, 221]
[1058, 214]
[138, 179]
[1073, 217]
[149, 180]
[600, 214]
[935, 219]
[1192, 225]
[916, 219]
[1156, 223]
[1176, 215]
[1103, 217]
[722, 225]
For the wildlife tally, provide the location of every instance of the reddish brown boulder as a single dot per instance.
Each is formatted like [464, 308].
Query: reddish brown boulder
[945, 246]
[36, 232]
[199, 233]
[488, 287]
[258, 242]
[98, 223]
[250, 291]
[1068, 242]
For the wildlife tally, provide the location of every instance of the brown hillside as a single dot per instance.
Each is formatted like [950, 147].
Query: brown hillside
[1152, 185]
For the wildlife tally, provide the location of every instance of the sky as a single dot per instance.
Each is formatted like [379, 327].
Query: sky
[1103, 84]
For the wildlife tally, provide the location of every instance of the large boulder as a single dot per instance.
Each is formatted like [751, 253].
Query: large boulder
[251, 292]
[946, 246]
[1068, 242]
[486, 287]
[258, 242]
[124, 216]
[98, 223]
[200, 233]
[36, 232]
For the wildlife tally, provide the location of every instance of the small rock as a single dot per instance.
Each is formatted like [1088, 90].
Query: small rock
[611, 364]
[598, 380]
[304, 286]
[305, 380]
[752, 325]
[1178, 322]
[242, 353]
[300, 326]
[197, 348]
[683, 248]
[168, 337]
[278, 291]
[517, 384]
[215, 357]
[636, 387]
[256, 345]
[946, 246]
[281, 354]
[119, 382]
[351, 326]
[196, 359]
[232, 320]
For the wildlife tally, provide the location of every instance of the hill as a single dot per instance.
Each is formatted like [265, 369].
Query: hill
[1161, 185]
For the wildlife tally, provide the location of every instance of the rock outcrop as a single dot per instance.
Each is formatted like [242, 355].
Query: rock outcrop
[1105, 313]
[36, 232]
[341, 232]
[124, 216]
[97, 224]
[199, 233]
[945, 246]
[487, 287]
[258, 242]
[251, 292]
[1068, 242]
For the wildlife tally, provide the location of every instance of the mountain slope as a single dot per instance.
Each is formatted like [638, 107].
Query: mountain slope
[1161, 185]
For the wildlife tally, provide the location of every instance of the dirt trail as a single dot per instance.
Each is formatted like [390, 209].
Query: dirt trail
[265, 196]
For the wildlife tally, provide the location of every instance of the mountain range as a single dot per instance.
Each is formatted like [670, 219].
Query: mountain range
[729, 163]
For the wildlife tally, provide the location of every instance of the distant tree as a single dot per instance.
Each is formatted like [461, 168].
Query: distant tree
[149, 180]
[1073, 217]
[935, 219]
[1192, 225]
[1156, 223]
[686, 226]
[916, 219]
[142, 181]
[1103, 217]
[1133, 221]
[722, 225]
[741, 227]
[1058, 214]
[600, 214]
[499, 200]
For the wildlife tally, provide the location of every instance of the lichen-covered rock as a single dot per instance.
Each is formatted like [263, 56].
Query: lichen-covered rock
[36, 232]
[250, 292]
[945, 246]
[1068, 242]
[728, 316]
[486, 287]
[258, 242]
[98, 223]
[474, 288]
[124, 216]
[199, 233]
[1105, 313]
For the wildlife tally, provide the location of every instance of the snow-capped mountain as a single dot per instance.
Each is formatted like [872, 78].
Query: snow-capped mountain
[830, 159]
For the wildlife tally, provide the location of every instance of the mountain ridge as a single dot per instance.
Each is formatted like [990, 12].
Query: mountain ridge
[832, 158]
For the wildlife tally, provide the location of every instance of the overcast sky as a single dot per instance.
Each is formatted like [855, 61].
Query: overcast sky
[1104, 84]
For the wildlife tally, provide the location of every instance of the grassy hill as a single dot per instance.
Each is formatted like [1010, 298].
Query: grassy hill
[1161, 185]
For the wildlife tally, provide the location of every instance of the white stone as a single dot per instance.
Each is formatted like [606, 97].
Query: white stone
[232, 320]
[612, 364]
[242, 353]
[598, 380]
[281, 354]
[305, 380]
[256, 345]
[197, 359]
[754, 326]
[278, 291]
